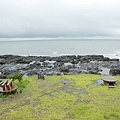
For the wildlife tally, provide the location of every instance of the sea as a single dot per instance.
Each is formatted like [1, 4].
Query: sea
[58, 47]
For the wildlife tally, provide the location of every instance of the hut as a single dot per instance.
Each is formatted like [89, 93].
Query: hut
[109, 80]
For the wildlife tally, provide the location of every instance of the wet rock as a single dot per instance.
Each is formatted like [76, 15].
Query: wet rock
[23, 60]
[115, 71]
[34, 64]
[93, 72]
[31, 73]
[117, 60]
[2, 76]
[2, 61]
[106, 59]
[69, 64]
[58, 64]
[64, 68]
[84, 71]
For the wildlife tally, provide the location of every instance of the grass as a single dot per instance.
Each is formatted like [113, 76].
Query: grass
[48, 100]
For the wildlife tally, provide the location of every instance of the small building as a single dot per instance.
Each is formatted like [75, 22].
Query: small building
[109, 80]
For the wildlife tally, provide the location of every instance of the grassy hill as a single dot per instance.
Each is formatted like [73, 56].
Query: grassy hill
[69, 97]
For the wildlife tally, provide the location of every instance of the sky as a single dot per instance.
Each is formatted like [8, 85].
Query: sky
[59, 19]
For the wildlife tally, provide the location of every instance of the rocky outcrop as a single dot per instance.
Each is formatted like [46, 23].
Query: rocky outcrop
[31, 65]
[115, 71]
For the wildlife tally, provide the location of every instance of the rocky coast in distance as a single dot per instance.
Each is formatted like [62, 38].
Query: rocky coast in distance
[60, 65]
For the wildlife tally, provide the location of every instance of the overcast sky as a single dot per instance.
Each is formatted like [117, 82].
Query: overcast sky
[59, 18]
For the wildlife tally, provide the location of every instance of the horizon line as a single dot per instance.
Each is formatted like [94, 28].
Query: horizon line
[56, 38]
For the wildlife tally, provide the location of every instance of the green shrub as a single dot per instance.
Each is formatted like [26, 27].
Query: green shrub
[16, 76]
[21, 85]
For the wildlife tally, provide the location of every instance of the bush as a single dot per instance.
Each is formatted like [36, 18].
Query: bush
[22, 85]
[16, 76]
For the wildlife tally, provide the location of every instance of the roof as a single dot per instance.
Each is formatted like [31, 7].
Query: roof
[109, 79]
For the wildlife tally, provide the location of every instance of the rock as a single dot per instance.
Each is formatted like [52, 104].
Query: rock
[68, 64]
[48, 64]
[93, 72]
[23, 60]
[51, 73]
[2, 61]
[64, 68]
[31, 73]
[106, 59]
[105, 71]
[58, 64]
[82, 71]
[117, 60]
[2, 76]
[115, 71]
[35, 63]
[99, 82]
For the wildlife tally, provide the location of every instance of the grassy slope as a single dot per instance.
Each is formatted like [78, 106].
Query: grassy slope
[48, 100]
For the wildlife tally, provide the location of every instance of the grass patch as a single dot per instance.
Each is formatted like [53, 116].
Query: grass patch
[47, 100]
[82, 80]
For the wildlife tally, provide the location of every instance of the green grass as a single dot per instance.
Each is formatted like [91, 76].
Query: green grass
[48, 100]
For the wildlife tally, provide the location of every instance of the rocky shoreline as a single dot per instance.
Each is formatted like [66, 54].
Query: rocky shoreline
[68, 64]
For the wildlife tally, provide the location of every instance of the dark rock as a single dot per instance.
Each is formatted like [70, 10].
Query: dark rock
[23, 60]
[3, 76]
[31, 73]
[68, 64]
[2, 61]
[117, 60]
[74, 61]
[106, 59]
[64, 69]
[58, 64]
[94, 72]
[34, 64]
[115, 71]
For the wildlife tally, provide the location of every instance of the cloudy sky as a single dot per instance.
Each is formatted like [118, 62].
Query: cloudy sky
[59, 18]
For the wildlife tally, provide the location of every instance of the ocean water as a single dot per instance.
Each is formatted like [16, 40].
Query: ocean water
[108, 48]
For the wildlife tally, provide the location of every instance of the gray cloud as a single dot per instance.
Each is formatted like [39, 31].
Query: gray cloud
[59, 18]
